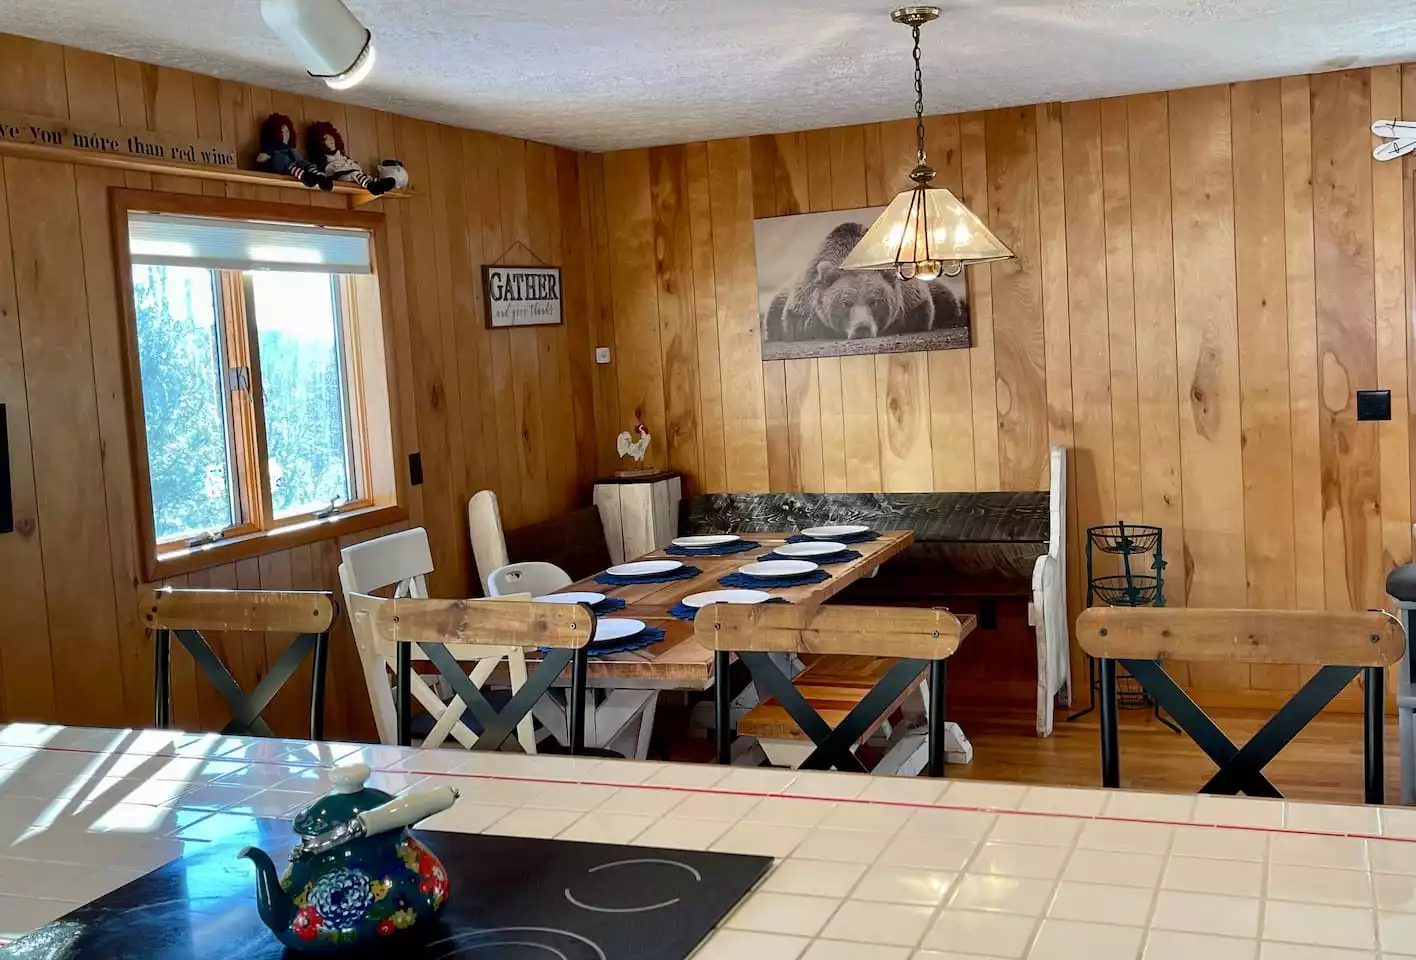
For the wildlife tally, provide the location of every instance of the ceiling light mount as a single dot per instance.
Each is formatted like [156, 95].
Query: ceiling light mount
[916, 16]
[326, 38]
[925, 232]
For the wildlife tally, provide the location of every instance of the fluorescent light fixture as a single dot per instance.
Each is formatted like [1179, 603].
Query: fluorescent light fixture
[325, 37]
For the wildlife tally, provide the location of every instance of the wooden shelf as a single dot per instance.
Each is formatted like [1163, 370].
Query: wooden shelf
[256, 178]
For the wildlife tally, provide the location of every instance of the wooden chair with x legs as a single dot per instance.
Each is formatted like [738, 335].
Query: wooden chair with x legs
[1339, 644]
[185, 614]
[919, 640]
[564, 631]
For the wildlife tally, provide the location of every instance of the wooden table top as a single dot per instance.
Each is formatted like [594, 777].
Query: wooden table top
[679, 662]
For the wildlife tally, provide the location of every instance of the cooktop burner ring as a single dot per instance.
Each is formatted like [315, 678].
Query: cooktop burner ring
[458, 949]
[697, 878]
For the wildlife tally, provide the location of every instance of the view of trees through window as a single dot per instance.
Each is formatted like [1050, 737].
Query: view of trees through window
[306, 429]
[191, 460]
[179, 350]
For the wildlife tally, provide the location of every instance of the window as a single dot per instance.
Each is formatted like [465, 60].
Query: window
[258, 363]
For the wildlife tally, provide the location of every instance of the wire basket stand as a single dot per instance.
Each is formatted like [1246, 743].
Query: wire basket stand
[1126, 589]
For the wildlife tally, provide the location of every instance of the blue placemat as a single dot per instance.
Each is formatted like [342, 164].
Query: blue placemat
[685, 612]
[722, 550]
[686, 572]
[745, 582]
[866, 537]
[845, 556]
[607, 606]
[644, 638]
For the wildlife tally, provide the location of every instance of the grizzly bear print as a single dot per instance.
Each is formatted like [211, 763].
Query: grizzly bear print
[829, 303]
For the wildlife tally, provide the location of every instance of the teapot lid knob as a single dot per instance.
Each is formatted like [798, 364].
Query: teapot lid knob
[349, 778]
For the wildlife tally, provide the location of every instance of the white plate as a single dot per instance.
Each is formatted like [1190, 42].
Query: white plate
[645, 568]
[706, 542]
[840, 530]
[586, 598]
[700, 600]
[778, 568]
[817, 548]
[616, 628]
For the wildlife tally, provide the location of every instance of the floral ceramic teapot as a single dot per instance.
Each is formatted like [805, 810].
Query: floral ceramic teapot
[357, 879]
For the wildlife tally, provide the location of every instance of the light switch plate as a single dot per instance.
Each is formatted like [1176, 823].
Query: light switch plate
[1373, 405]
[602, 354]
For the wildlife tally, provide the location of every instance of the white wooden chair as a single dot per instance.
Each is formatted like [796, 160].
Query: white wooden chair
[532, 576]
[488, 539]
[403, 561]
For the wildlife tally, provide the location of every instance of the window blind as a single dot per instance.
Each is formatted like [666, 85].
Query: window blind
[218, 244]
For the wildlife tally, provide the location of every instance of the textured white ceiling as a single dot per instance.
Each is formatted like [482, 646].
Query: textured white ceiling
[605, 74]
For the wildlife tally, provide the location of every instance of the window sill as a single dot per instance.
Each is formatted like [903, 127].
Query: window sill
[179, 562]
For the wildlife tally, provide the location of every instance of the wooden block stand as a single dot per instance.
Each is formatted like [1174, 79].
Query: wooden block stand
[640, 514]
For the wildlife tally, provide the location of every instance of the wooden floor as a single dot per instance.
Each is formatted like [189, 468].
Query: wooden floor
[1323, 763]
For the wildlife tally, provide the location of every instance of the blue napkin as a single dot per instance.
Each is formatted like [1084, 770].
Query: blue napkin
[743, 581]
[644, 638]
[607, 606]
[682, 573]
[845, 556]
[684, 612]
[636, 641]
[722, 550]
[866, 537]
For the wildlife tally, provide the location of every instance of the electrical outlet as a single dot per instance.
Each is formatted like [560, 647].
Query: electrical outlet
[602, 354]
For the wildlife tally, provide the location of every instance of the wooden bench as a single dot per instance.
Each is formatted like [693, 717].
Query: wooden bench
[967, 545]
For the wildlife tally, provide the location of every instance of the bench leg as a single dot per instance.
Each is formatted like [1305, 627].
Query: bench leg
[1373, 729]
[1110, 748]
[937, 745]
[723, 706]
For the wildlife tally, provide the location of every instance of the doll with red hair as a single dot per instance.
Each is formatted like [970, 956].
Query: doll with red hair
[326, 147]
[280, 155]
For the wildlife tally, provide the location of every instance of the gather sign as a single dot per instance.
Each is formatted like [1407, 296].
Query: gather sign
[120, 141]
[522, 296]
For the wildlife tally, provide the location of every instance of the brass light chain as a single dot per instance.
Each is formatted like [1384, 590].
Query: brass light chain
[919, 94]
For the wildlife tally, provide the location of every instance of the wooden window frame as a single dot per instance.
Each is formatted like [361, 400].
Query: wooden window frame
[366, 318]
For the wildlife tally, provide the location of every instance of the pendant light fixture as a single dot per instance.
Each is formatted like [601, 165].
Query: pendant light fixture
[926, 231]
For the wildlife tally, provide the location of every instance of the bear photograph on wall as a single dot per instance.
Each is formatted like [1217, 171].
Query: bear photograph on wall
[810, 307]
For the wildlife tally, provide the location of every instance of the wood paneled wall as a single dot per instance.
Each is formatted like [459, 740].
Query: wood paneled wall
[510, 410]
[1204, 279]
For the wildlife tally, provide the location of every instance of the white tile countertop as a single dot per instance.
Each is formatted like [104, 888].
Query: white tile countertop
[868, 868]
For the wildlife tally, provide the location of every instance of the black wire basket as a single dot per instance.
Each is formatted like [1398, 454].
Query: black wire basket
[1123, 591]
[1130, 695]
[1125, 538]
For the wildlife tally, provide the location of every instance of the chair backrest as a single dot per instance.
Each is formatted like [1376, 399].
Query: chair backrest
[533, 577]
[914, 633]
[1363, 638]
[166, 608]
[397, 559]
[484, 525]
[503, 622]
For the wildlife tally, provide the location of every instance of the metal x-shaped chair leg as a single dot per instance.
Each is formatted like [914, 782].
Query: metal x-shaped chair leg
[833, 746]
[1240, 768]
[246, 709]
[497, 728]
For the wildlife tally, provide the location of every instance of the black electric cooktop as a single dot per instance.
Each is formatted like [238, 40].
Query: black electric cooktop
[511, 899]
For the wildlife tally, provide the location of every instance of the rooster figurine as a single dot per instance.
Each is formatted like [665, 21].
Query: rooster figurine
[630, 447]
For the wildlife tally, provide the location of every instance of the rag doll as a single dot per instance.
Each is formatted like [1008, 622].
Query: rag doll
[279, 154]
[326, 147]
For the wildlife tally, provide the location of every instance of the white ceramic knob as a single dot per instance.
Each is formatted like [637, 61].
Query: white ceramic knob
[349, 778]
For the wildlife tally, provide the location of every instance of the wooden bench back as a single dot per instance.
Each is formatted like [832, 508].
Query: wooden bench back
[167, 608]
[1305, 637]
[914, 633]
[503, 622]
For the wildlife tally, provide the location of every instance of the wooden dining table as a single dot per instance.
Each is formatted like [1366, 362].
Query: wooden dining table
[679, 662]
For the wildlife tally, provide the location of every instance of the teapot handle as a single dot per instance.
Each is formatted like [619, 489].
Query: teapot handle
[407, 810]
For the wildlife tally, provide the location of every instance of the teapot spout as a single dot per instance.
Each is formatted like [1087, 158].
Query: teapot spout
[276, 908]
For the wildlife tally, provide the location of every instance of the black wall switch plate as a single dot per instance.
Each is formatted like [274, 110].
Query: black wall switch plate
[1373, 404]
[415, 469]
